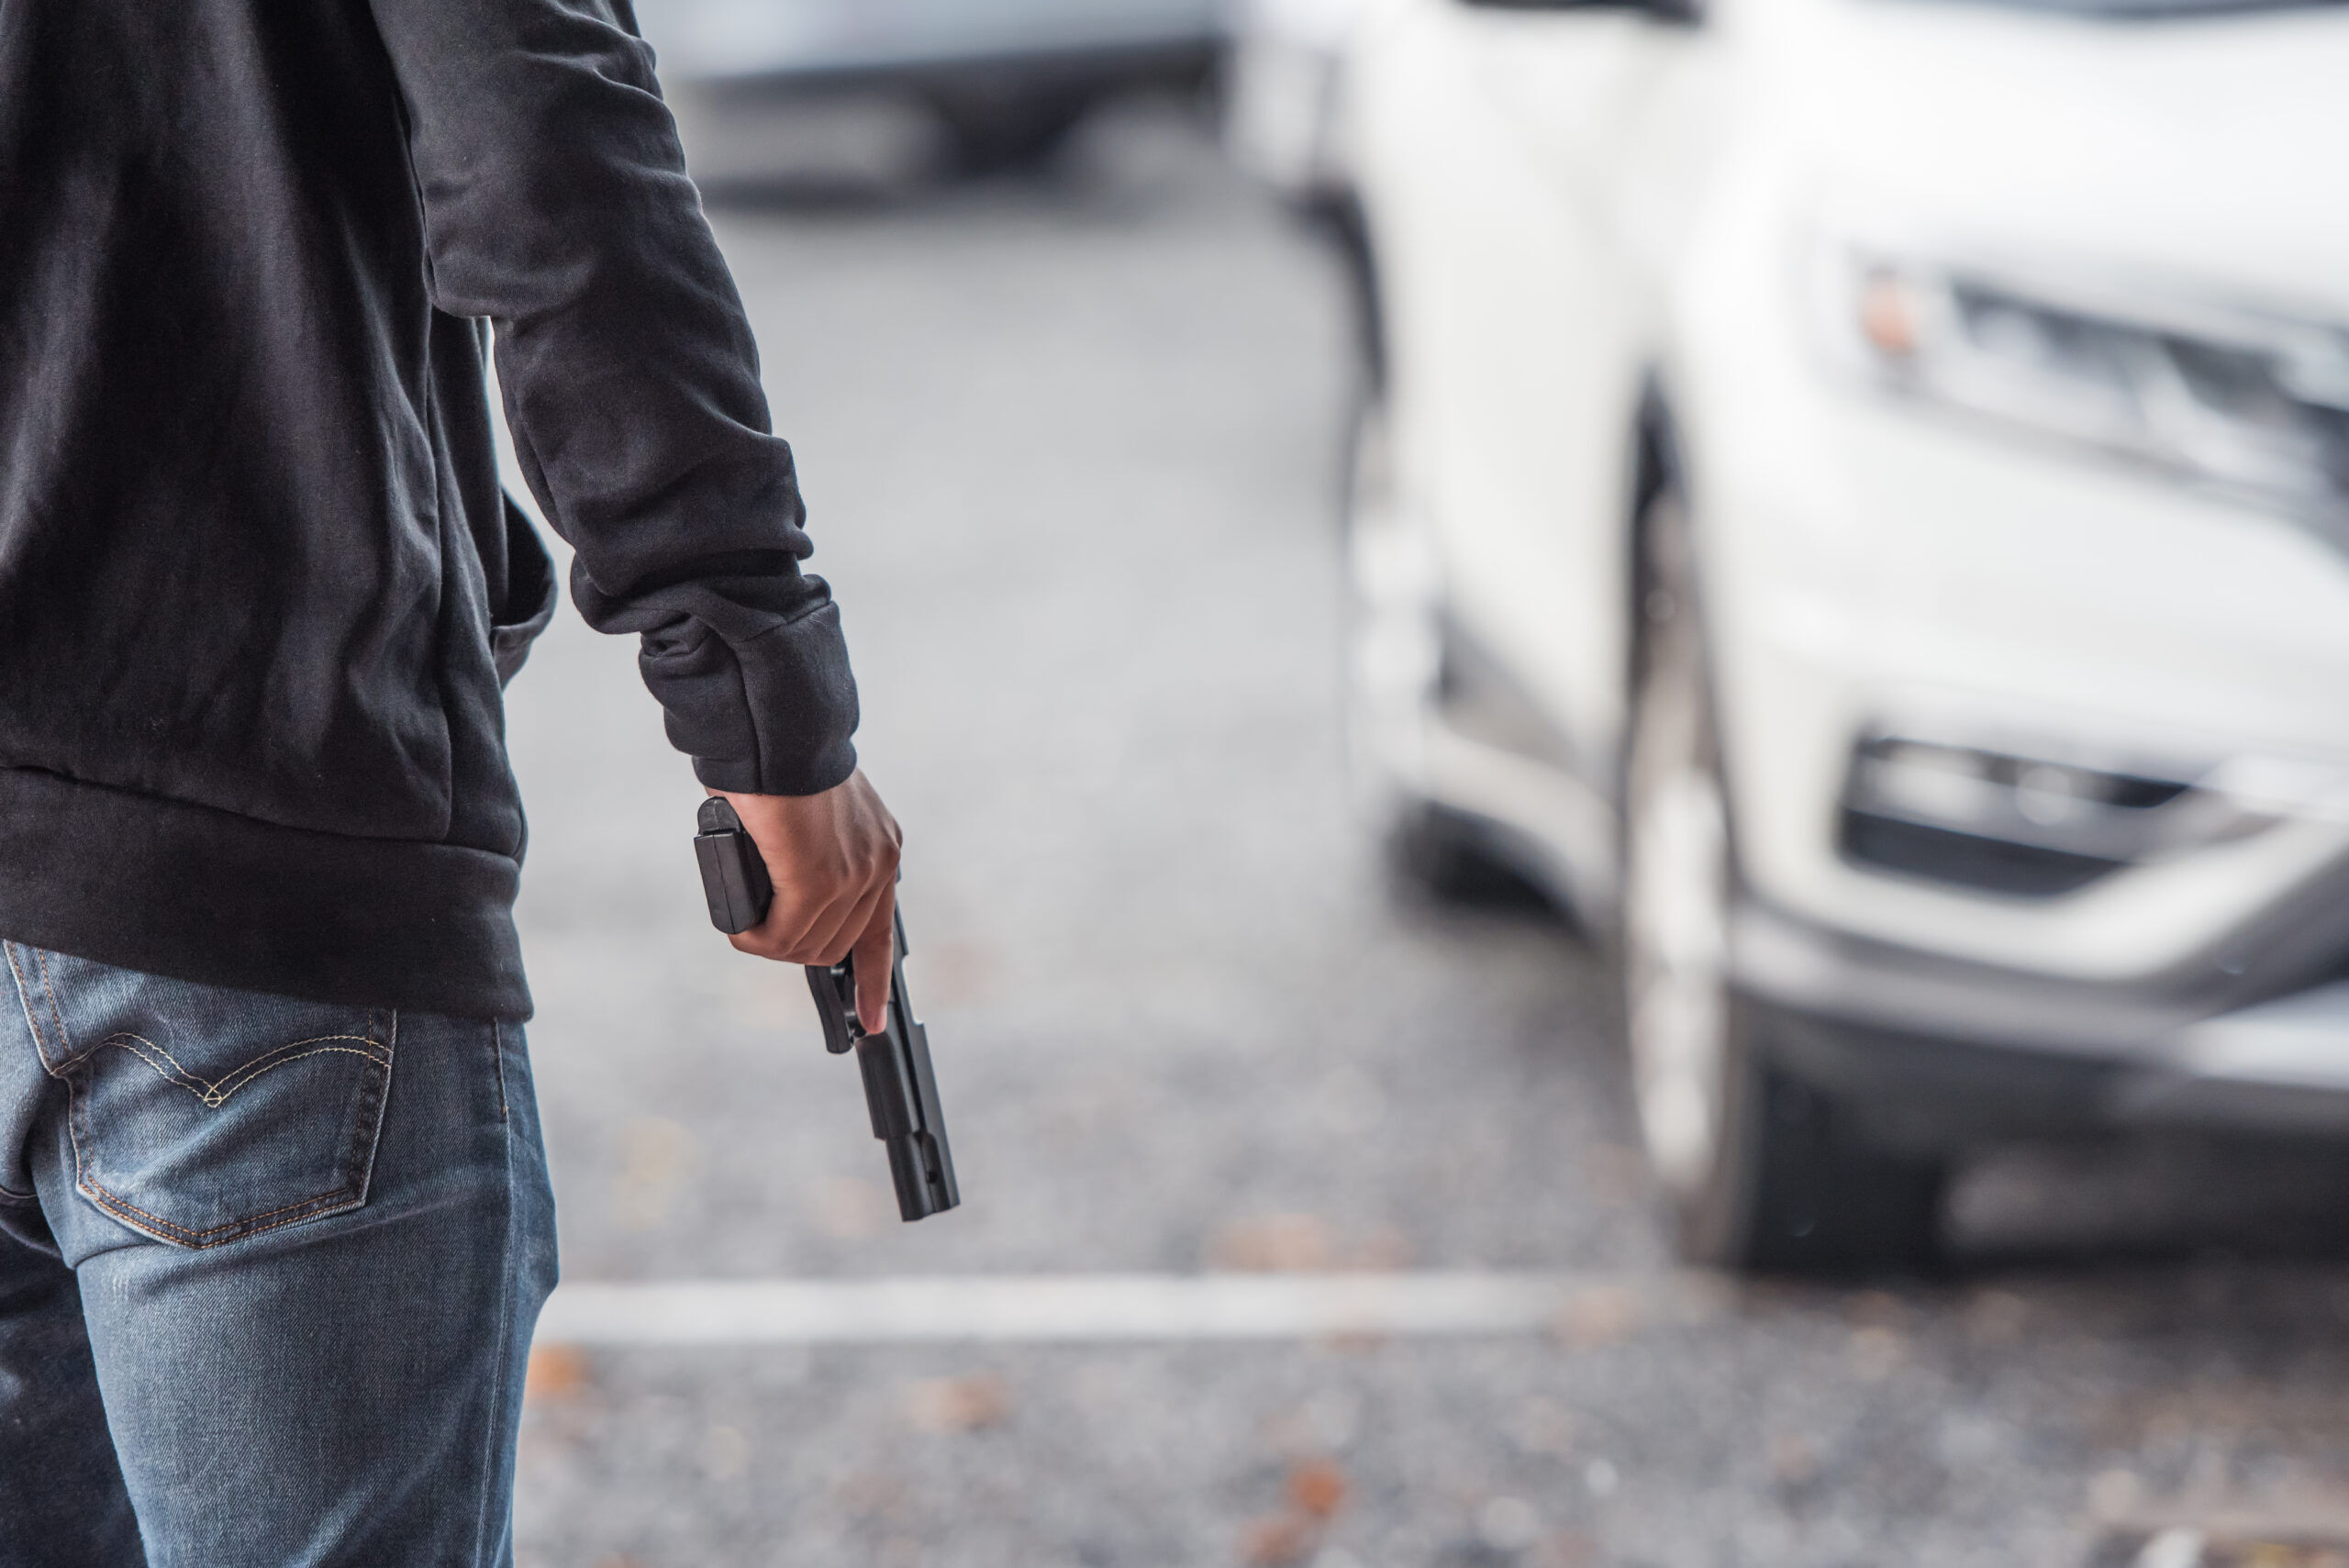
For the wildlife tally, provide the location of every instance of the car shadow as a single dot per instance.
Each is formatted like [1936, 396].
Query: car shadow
[2158, 1196]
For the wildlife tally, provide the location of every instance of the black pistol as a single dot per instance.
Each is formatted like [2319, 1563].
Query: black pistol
[899, 1089]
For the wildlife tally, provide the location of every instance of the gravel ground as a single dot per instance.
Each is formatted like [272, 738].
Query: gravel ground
[1068, 444]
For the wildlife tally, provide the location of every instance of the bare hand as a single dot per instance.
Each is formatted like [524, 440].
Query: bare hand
[833, 860]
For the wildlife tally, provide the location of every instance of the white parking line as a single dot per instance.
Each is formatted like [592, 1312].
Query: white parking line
[1076, 1308]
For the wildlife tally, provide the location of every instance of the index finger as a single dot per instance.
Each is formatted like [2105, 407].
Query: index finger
[875, 953]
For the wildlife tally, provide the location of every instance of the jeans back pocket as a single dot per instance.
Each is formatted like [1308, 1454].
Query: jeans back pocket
[201, 1114]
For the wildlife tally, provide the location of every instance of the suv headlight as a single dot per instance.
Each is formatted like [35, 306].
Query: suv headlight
[2257, 406]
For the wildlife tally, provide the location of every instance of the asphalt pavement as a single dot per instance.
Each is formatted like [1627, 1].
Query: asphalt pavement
[1069, 444]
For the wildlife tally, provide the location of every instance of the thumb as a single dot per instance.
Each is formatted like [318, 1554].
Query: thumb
[875, 953]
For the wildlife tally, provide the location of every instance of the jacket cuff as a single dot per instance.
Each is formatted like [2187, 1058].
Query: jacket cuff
[770, 715]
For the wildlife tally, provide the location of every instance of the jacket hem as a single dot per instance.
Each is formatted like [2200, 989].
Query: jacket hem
[198, 893]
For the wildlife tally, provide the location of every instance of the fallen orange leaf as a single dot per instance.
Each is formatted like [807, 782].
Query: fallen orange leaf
[1318, 1487]
[959, 1404]
[555, 1372]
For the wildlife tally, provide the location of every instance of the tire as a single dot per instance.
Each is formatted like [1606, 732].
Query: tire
[1764, 1171]
[1394, 676]
[1007, 133]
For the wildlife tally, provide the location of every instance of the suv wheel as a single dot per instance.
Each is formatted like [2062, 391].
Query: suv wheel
[1005, 131]
[1763, 1170]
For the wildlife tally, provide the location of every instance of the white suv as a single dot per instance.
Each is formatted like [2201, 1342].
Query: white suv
[1856, 501]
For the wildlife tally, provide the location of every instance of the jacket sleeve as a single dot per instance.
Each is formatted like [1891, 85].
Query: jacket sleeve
[555, 203]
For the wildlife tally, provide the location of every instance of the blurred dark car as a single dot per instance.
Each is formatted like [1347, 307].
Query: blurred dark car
[1007, 79]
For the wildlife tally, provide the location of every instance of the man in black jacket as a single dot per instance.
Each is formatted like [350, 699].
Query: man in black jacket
[275, 1207]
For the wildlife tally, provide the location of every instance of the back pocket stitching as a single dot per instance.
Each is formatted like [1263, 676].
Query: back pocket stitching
[216, 1094]
[350, 1194]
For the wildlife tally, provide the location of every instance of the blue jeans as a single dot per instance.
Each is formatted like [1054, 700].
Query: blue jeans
[268, 1278]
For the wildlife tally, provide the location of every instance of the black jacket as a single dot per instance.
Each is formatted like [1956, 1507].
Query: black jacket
[258, 583]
